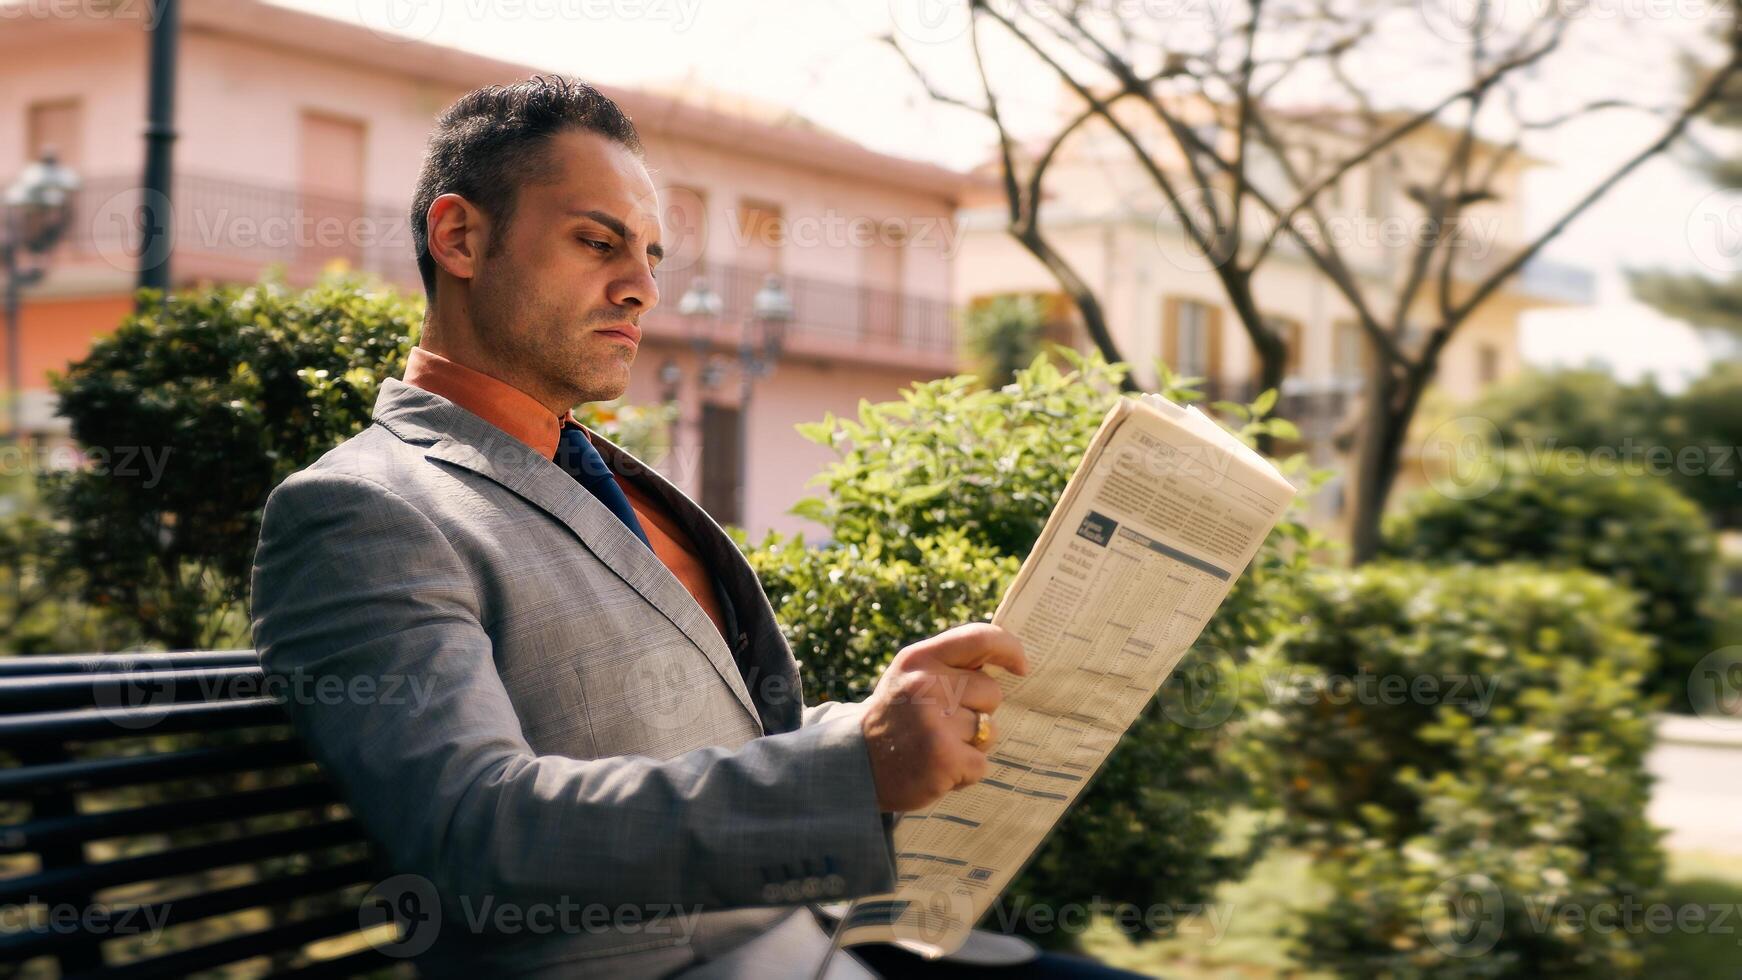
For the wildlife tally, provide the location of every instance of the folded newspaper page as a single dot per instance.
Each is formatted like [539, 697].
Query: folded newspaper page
[1164, 511]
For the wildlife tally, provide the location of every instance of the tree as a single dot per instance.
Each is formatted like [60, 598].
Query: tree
[1242, 167]
[1701, 300]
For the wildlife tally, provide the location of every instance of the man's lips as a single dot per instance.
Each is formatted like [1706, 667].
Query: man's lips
[626, 330]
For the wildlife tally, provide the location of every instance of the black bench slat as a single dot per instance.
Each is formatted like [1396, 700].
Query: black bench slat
[71, 725]
[101, 723]
[190, 812]
[362, 961]
[56, 692]
[89, 663]
[246, 946]
[84, 879]
[83, 775]
[191, 908]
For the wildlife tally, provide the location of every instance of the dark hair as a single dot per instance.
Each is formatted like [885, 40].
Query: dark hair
[490, 142]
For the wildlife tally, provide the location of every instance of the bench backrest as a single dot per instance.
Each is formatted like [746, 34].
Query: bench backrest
[158, 816]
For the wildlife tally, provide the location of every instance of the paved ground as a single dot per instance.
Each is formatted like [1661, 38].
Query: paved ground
[1698, 796]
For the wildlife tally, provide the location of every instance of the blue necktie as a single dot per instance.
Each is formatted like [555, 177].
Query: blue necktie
[575, 453]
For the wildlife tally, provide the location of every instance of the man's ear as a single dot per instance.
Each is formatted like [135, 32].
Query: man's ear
[458, 235]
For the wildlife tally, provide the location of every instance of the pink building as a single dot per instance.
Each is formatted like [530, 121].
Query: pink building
[299, 141]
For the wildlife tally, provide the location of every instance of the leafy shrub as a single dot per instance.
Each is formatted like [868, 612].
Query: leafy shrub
[1002, 333]
[1710, 413]
[1497, 793]
[1561, 511]
[931, 505]
[1689, 439]
[36, 613]
[193, 410]
[1574, 409]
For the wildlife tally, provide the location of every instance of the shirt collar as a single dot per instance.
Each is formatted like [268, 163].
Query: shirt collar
[490, 398]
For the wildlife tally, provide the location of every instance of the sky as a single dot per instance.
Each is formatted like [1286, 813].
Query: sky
[822, 59]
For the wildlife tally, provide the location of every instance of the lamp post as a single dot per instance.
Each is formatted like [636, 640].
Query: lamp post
[38, 210]
[761, 338]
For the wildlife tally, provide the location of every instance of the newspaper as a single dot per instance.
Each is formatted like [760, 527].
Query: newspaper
[1164, 511]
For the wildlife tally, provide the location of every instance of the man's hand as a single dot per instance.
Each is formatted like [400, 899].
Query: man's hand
[921, 719]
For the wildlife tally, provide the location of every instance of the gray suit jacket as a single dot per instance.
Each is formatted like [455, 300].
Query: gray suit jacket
[539, 726]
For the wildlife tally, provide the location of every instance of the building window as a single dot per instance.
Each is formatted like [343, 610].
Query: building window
[761, 233]
[683, 227]
[330, 178]
[1191, 338]
[722, 464]
[1487, 364]
[1349, 351]
[56, 125]
[880, 277]
[1381, 174]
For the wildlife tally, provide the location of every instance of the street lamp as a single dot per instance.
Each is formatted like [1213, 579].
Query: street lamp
[761, 338]
[39, 209]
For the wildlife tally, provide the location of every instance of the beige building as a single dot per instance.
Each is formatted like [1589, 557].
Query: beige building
[1162, 298]
[299, 141]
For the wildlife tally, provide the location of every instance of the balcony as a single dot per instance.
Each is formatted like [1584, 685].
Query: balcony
[230, 231]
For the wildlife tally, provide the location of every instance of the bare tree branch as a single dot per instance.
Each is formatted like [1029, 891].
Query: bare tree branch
[1703, 100]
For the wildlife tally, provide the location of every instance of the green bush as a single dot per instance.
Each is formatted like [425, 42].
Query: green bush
[1689, 439]
[1574, 409]
[1563, 511]
[36, 613]
[1002, 333]
[931, 505]
[1497, 792]
[1710, 412]
[193, 410]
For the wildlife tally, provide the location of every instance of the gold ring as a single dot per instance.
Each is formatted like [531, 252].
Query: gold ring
[982, 730]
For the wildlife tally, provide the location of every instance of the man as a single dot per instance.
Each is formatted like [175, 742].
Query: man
[611, 720]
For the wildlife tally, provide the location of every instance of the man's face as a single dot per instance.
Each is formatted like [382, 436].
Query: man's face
[559, 295]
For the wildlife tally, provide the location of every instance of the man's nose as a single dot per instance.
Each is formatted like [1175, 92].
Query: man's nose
[637, 289]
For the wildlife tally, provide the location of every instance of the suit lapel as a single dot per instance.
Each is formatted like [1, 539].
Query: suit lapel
[766, 655]
[456, 436]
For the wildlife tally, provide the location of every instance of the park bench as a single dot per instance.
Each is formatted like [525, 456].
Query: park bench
[166, 795]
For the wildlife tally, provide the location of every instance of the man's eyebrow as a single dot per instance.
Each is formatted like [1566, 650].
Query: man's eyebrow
[617, 228]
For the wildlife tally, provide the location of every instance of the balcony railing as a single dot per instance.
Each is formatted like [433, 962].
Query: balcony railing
[823, 311]
[230, 230]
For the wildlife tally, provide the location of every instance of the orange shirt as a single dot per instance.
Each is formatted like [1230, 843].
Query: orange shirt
[525, 418]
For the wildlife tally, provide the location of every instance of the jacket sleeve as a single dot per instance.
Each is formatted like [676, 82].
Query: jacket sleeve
[356, 593]
[837, 713]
